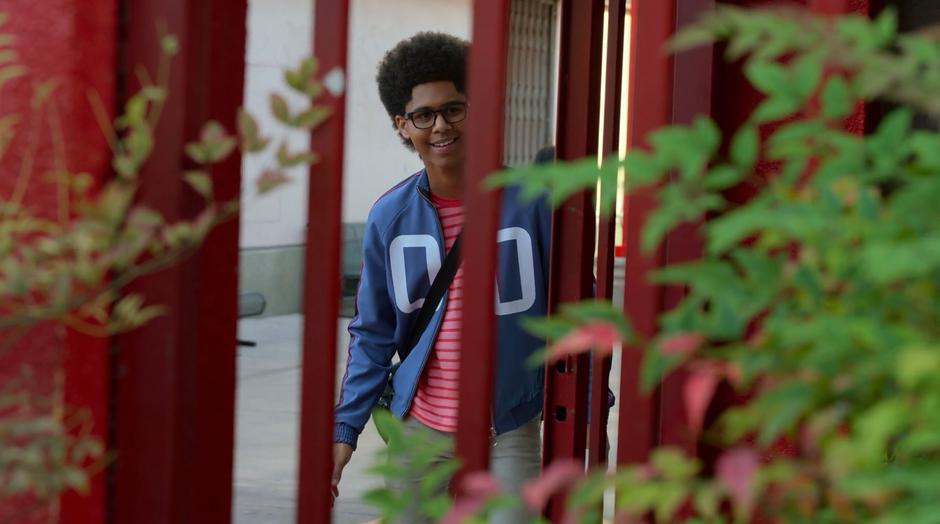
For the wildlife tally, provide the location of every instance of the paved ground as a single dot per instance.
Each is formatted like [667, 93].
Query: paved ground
[267, 428]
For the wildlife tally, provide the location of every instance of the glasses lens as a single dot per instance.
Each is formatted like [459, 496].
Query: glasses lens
[454, 113]
[423, 119]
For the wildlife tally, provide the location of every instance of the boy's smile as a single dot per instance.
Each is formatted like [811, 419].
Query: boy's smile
[441, 107]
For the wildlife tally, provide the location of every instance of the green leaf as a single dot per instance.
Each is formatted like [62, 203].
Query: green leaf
[279, 109]
[642, 169]
[286, 159]
[783, 406]
[706, 501]
[252, 142]
[169, 45]
[775, 108]
[769, 78]
[886, 26]
[723, 176]
[656, 365]
[385, 501]
[668, 500]
[135, 110]
[691, 36]
[806, 74]
[200, 182]
[836, 98]
[673, 464]
[437, 477]
[875, 426]
[926, 147]
[76, 479]
[592, 310]
[915, 365]
[745, 147]
[387, 425]
[313, 117]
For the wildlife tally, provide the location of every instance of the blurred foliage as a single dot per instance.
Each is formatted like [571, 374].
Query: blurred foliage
[71, 269]
[818, 299]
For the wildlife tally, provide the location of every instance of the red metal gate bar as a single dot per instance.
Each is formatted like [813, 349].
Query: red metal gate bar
[572, 251]
[175, 377]
[46, 51]
[321, 277]
[692, 91]
[486, 87]
[652, 23]
[606, 233]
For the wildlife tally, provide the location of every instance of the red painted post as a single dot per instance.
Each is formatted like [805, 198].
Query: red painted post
[175, 377]
[486, 87]
[651, 86]
[597, 434]
[46, 37]
[572, 265]
[322, 276]
[692, 92]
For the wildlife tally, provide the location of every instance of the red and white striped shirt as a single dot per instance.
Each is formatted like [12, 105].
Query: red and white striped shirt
[435, 403]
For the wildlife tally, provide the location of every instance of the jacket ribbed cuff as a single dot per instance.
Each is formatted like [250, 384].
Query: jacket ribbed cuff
[346, 434]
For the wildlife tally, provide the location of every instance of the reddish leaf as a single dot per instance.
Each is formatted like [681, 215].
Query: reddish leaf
[477, 487]
[697, 393]
[682, 344]
[480, 484]
[269, 180]
[735, 471]
[560, 475]
[461, 510]
[599, 336]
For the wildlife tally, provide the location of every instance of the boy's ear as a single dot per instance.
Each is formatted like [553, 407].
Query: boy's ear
[400, 122]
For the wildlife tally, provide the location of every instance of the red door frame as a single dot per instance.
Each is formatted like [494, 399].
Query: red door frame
[175, 377]
[573, 227]
[606, 231]
[486, 87]
[651, 81]
[322, 275]
[692, 92]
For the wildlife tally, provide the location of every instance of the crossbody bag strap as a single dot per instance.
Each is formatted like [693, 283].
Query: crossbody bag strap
[441, 282]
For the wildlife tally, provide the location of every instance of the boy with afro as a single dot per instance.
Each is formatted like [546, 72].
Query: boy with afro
[408, 233]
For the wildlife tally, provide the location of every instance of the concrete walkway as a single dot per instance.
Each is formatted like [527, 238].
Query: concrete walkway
[267, 428]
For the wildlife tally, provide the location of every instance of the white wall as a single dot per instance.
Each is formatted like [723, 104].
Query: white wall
[279, 35]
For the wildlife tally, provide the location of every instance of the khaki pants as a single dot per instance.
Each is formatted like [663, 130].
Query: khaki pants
[515, 457]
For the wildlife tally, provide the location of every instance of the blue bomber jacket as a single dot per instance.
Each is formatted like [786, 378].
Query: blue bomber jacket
[402, 252]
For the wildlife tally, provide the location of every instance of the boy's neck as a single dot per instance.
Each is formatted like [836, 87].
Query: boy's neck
[445, 183]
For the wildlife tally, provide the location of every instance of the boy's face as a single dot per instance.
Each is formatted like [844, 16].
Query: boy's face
[440, 145]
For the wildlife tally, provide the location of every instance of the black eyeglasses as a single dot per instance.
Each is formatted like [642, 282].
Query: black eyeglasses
[451, 113]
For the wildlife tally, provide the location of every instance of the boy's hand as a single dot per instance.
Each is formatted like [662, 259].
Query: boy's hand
[341, 454]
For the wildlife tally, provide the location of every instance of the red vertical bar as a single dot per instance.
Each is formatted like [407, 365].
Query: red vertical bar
[597, 435]
[692, 91]
[486, 87]
[572, 252]
[321, 276]
[71, 370]
[175, 377]
[651, 82]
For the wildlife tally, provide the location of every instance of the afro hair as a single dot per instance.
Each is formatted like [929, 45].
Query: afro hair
[425, 57]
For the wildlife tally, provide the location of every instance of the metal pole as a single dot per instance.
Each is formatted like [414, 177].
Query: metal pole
[692, 96]
[486, 88]
[572, 264]
[175, 377]
[651, 81]
[597, 437]
[322, 276]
